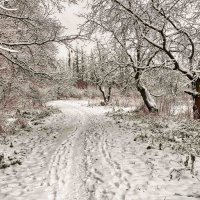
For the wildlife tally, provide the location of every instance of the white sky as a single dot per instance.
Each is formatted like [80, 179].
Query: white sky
[69, 17]
[71, 21]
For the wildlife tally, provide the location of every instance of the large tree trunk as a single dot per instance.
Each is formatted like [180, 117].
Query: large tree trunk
[196, 107]
[145, 94]
[147, 98]
[106, 97]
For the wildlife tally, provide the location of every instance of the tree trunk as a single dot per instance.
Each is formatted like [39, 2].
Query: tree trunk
[145, 94]
[107, 97]
[109, 93]
[147, 98]
[196, 107]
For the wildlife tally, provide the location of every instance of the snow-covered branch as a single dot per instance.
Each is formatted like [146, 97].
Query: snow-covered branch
[192, 93]
[8, 9]
[8, 50]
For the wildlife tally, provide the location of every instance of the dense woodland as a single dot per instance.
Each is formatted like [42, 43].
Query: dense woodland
[147, 48]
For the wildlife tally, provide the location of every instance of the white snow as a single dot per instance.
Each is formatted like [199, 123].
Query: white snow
[179, 109]
[94, 159]
[11, 120]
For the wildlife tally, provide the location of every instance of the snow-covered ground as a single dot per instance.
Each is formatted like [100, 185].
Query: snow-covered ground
[82, 154]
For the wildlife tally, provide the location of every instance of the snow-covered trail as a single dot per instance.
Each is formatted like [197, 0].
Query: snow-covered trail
[67, 173]
[94, 159]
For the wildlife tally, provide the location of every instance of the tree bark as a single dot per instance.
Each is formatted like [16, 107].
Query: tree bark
[196, 106]
[107, 97]
[109, 93]
[145, 94]
[147, 98]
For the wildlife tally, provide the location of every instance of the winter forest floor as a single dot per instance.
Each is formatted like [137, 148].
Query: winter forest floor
[95, 153]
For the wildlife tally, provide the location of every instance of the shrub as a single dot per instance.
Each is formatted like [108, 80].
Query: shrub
[22, 123]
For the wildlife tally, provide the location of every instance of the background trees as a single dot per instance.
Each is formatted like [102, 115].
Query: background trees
[104, 69]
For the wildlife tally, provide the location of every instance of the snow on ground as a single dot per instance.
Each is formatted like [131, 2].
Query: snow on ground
[82, 154]
[180, 109]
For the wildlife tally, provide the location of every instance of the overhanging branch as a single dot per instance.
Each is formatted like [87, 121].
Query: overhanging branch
[194, 94]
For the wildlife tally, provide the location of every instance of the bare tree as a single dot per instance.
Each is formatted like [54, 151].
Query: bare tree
[107, 18]
[103, 70]
[172, 29]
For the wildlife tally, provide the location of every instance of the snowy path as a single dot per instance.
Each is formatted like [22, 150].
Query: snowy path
[94, 159]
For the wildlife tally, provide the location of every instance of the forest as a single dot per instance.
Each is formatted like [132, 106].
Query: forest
[116, 116]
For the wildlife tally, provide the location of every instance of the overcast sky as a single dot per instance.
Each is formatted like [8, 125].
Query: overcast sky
[71, 21]
[69, 17]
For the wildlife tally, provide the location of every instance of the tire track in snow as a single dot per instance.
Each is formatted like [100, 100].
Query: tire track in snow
[58, 168]
[66, 171]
